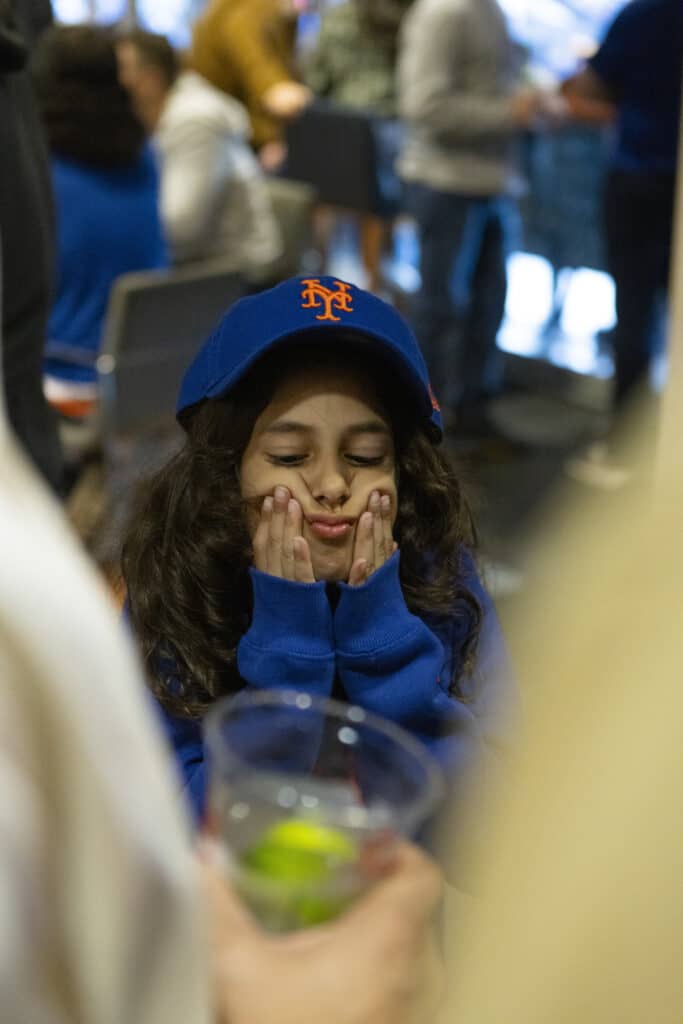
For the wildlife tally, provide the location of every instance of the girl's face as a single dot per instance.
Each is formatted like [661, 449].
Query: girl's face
[325, 437]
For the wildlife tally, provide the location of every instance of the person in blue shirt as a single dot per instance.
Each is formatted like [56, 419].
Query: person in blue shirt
[311, 534]
[636, 73]
[106, 193]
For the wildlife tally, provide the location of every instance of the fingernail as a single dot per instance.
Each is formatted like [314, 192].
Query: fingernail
[374, 498]
[386, 502]
[280, 494]
[268, 504]
[292, 506]
[367, 518]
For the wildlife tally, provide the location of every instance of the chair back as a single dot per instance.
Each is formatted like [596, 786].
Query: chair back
[335, 150]
[293, 204]
[155, 323]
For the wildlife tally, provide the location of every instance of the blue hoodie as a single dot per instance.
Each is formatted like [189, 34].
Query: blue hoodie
[384, 658]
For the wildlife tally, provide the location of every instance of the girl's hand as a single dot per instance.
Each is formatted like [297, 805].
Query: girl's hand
[375, 543]
[279, 547]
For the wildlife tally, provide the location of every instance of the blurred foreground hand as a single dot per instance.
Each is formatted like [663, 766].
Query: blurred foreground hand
[377, 964]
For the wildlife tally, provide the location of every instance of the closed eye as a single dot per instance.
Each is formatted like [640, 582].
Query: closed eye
[286, 460]
[364, 460]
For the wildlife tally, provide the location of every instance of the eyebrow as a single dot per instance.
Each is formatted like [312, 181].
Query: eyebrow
[292, 427]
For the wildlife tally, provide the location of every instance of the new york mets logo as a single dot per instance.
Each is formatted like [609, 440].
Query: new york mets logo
[316, 296]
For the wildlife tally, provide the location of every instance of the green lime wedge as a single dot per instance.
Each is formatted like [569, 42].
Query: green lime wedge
[300, 851]
[297, 862]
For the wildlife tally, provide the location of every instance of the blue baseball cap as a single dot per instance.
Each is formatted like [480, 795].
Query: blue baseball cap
[319, 308]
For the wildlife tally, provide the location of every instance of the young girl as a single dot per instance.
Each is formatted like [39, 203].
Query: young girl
[310, 534]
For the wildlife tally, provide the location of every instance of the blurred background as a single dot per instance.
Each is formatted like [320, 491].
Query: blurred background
[557, 326]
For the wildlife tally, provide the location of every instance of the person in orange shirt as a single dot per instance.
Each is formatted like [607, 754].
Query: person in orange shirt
[246, 48]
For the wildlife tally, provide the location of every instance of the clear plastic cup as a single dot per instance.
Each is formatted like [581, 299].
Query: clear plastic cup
[305, 793]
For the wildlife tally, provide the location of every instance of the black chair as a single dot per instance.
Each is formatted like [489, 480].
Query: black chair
[155, 323]
[346, 155]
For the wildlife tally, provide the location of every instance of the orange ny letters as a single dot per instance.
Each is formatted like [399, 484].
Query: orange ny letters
[316, 296]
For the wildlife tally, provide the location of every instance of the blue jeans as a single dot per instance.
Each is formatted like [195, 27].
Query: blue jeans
[460, 305]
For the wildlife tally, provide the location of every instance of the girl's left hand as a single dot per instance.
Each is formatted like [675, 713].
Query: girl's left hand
[375, 543]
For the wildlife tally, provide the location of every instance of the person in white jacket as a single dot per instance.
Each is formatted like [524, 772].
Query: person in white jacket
[214, 199]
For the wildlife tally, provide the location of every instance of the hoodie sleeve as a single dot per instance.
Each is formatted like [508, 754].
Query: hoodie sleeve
[290, 642]
[391, 662]
[288, 645]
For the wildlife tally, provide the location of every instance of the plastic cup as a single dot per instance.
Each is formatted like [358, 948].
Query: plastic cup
[305, 793]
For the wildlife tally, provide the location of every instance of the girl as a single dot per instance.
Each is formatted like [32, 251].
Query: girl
[310, 534]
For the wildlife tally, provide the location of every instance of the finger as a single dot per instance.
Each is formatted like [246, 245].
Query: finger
[292, 529]
[359, 573]
[303, 567]
[388, 537]
[364, 547]
[229, 919]
[277, 529]
[380, 555]
[260, 541]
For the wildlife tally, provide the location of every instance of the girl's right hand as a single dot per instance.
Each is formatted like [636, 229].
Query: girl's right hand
[279, 546]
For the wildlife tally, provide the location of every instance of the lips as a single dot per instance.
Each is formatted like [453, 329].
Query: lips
[330, 527]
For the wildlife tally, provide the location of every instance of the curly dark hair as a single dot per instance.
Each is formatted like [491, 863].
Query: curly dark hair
[187, 554]
[86, 111]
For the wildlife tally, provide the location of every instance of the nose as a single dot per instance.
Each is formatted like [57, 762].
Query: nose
[328, 484]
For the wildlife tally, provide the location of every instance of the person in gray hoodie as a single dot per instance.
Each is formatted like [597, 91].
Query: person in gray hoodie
[214, 202]
[462, 107]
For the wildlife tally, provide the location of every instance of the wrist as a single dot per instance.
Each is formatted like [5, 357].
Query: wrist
[287, 613]
[377, 602]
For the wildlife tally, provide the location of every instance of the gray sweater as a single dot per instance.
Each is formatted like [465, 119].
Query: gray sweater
[456, 74]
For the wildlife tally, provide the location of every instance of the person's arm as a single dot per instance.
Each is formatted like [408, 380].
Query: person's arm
[376, 963]
[289, 643]
[433, 94]
[593, 94]
[196, 165]
[259, 64]
[588, 98]
[391, 662]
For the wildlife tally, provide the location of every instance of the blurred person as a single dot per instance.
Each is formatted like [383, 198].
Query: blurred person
[246, 48]
[637, 73]
[107, 913]
[579, 918]
[106, 189]
[26, 237]
[312, 534]
[214, 203]
[462, 107]
[353, 61]
[353, 64]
